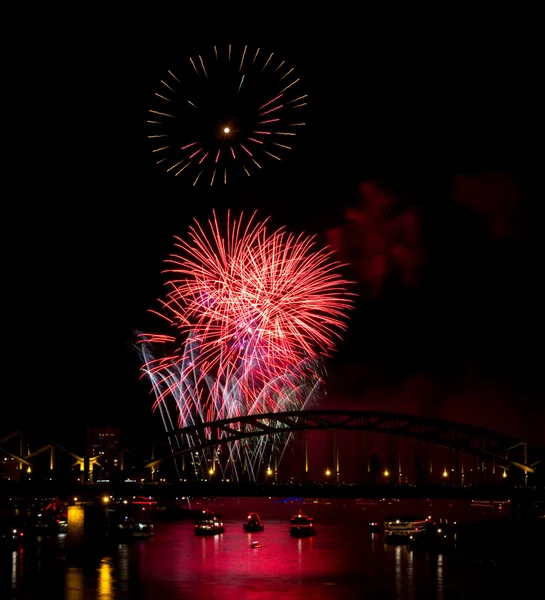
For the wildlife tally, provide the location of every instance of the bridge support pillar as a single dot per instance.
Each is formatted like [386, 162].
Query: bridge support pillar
[75, 526]
[21, 450]
[525, 462]
[336, 463]
[363, 463]
[333, 454]
[303, 441]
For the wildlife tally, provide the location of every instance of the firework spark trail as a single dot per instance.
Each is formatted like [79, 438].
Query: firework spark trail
[270, 286]
[288, 392]
[225, 105]
[255, 312]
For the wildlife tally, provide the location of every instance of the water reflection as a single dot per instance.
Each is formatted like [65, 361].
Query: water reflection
[410, 573]
[14, 569]
[105, 580]
[218, 539]
[341, 562]
[299, 552]
[17, 566]
[398, 571]
[440, 577]
[403, 571]
[123, 572]
[74, 584]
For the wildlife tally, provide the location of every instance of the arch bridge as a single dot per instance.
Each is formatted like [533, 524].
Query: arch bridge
[507, 451]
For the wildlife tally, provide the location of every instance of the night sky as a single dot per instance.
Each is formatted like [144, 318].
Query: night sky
[419, 164]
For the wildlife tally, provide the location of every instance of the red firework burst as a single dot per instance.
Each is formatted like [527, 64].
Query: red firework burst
[252, 299]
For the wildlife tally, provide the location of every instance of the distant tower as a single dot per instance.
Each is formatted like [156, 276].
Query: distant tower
[105, 442]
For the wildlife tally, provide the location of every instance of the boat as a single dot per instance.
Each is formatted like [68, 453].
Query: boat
[10, 531]
[142, 528]
[489, 504]
[127, 523]
[374, 526]
[302, 526]
[40, 524]
[435, 536]
[208, 523]
[134, 529]
[401, 528]
[366, 502]
[253, 523]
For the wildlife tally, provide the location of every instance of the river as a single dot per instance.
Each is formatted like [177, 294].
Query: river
[343, 561]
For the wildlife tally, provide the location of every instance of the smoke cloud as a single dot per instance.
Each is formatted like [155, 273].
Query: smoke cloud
[380, 238]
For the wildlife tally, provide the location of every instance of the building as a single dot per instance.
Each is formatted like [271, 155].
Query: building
[10, 469]
[105, 443]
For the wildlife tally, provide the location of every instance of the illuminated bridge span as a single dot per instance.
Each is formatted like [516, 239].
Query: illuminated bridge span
[506, 451]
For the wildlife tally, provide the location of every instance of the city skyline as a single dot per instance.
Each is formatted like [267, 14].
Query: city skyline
[368, 448]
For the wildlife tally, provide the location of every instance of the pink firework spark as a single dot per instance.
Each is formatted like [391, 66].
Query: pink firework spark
[207, 108]
[250, 306]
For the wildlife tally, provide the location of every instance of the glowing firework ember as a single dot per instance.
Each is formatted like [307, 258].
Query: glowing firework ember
[228, 111]
[252, 314]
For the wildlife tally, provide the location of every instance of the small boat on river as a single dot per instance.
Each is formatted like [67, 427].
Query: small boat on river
[253, 523]
[302, 526]
[208, 523]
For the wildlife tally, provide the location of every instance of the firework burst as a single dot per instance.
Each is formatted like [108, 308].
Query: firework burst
[226, 112]
[252, 313]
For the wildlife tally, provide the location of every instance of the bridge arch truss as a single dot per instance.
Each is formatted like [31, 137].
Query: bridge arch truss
[506, 451]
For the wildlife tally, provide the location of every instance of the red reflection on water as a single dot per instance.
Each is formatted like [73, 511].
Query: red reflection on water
[338, 563]
[228, 565]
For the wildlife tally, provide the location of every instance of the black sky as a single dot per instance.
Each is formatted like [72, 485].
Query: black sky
[413, 108]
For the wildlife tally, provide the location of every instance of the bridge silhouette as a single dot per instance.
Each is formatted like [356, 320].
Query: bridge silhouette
[504, 450]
